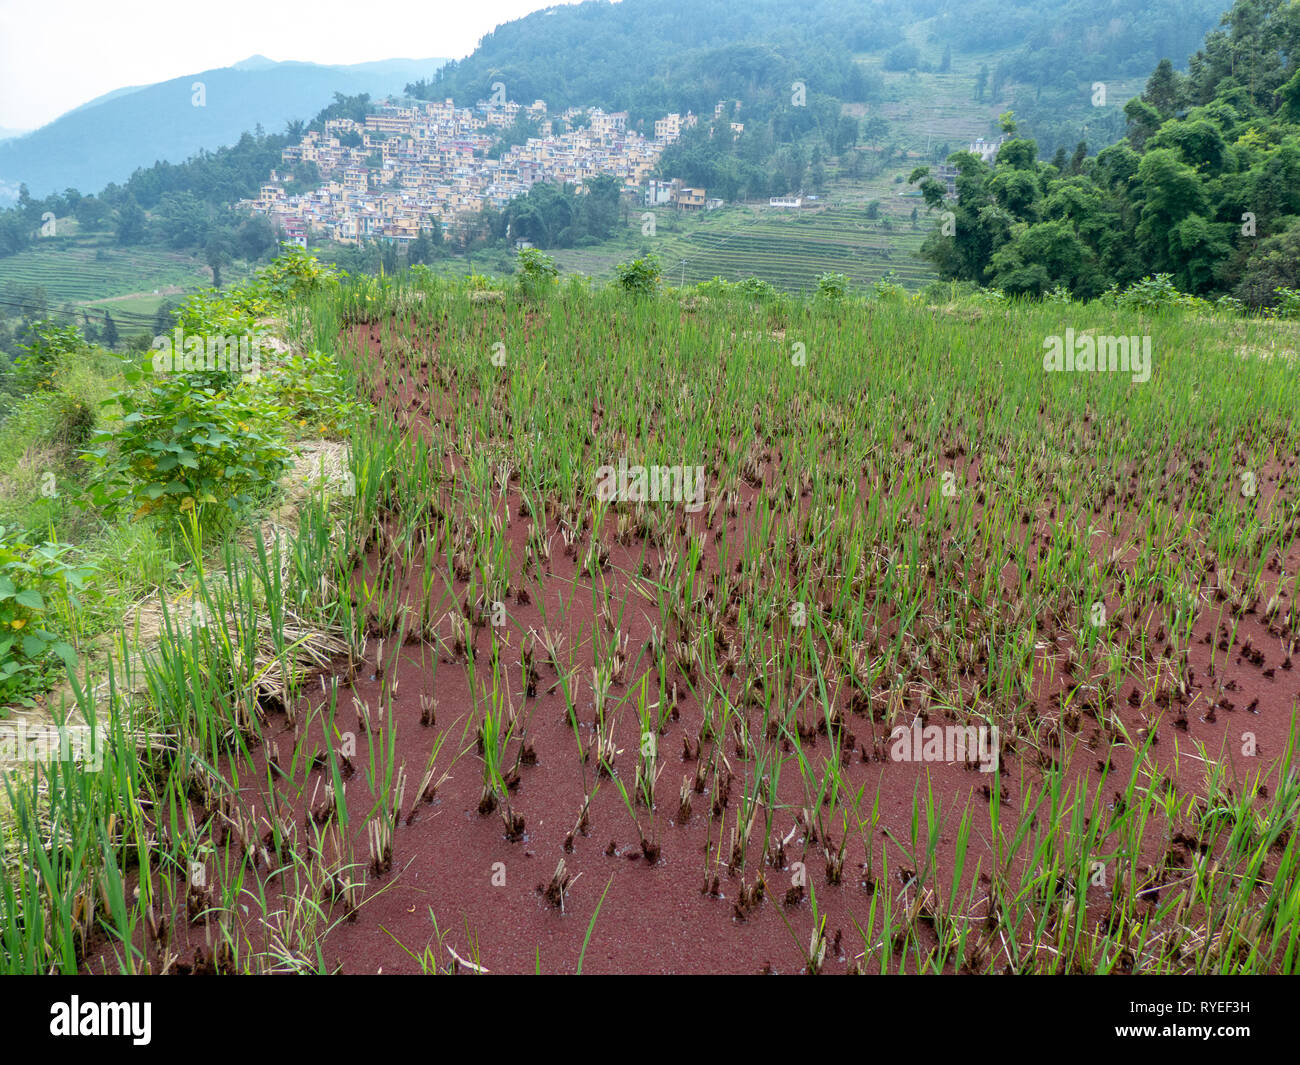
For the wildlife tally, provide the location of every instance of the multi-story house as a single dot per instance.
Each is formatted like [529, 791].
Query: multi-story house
[420, 167]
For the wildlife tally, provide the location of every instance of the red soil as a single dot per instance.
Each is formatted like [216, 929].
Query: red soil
[656, 916]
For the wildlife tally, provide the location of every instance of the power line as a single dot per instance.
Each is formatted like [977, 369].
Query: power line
[123, 317]
[79, 308]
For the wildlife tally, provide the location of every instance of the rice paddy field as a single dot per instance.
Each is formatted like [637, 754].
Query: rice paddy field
[686, 634]
[86, 271]
[788, 248]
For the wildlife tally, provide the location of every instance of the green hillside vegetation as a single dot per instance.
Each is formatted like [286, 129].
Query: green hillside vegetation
[1050, 56]
[921, 82]
[82, 271]
[652, 56]
[888, 85]
[787, 249]
[115, 295]
[888, 93]
[1205, 187]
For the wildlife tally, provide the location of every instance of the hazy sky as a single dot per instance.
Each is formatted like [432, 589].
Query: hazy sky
[57, 54]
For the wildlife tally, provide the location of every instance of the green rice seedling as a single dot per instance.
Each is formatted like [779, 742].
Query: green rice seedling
[647, 765]
[650, 845]
[495, 733]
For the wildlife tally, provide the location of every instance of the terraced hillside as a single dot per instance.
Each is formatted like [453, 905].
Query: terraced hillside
[928, 109]
[928, 114]
[791, 249]
[788, 248]
[81, 272]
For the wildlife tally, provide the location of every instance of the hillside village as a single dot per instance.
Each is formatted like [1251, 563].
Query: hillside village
[413, 168]
[419, 167]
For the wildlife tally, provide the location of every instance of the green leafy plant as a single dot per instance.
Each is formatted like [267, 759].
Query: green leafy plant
[207, 437]
[640, 276]
[181, 447]
[214, 313]
[886, 288]
[832, 287]
[308, 388]
[31, 579]
[1288, 302]
[295, 275]
[51, 343]
[756, 288]
[751, 288]
[1153, 293]
[537, 273]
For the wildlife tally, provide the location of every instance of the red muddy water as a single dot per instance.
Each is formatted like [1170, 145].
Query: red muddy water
[675, 891]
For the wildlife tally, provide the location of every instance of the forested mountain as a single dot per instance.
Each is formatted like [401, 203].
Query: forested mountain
[1054, 53]
[808, 85]
[1205, 186]
[110, 137]
[652, 56]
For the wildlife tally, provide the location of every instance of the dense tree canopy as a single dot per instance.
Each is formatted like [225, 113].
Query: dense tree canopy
[180, 205]
[1205, 186]
[555, 216]
[649, 57]
[1200, 152]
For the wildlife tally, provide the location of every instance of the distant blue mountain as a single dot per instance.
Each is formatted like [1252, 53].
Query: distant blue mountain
[108, 138]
